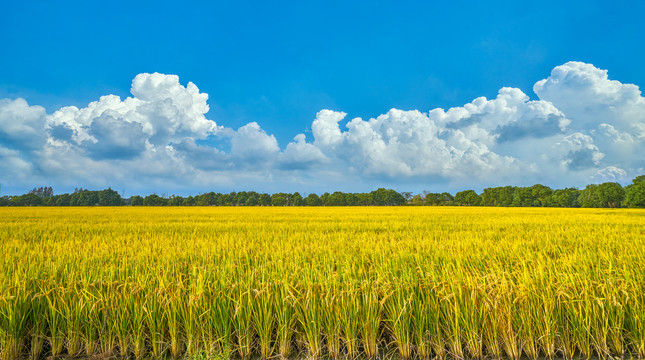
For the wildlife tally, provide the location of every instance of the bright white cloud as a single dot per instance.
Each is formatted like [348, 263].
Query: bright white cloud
[253, 145]
[405, 144]
[325, 128]
[610, 112]
[21, 125]
[162, 111]
[589, 98]
[300, 155]
[584, 127]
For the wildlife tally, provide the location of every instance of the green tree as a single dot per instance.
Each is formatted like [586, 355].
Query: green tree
[589, 197]
[635, 193]
[467, 197]
[498, 196]
[84, 198]
[224, 199]
[336, 199]
[388, 197]
[189, 201]
[136, 200]
[364, 199]
[324, 198]
[154, 200]
[297, 199]
[251, 200]
[208, 199]
[29, 199]
[313, 200]
[416, 200]
[433, 199]
[523, 196]
[175, 201]
[611, 194]
[278, 199]
[565, 197]
[62, 200]
[541, 195]
[446, 199]
[240, 198]
[264, 199]
[109, 197]
[255, 196]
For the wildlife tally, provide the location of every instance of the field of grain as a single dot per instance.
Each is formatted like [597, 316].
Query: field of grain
[402, 282]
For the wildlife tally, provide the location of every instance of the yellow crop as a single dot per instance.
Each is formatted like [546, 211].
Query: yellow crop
[421, 282]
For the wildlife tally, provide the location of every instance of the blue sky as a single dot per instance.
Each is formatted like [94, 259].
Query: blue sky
[277, 65]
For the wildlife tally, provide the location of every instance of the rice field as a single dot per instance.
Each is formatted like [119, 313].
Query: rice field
[331, 283]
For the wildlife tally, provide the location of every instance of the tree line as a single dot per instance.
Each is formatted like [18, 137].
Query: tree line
[109, 197]
[380, 197]
[605, 195]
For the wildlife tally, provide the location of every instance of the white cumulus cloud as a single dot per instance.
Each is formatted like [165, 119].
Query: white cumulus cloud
[583, 127]
[21, 125]
[252, 144]
[405, 144]
[161, 111]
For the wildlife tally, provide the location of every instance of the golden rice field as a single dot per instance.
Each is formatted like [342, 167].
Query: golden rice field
[393, 282]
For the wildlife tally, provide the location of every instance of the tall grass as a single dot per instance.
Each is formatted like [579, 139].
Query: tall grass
[416, 283]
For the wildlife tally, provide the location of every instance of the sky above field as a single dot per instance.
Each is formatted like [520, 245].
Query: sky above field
[317, 96]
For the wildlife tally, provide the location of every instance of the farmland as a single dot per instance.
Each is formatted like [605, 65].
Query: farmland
[407, 282]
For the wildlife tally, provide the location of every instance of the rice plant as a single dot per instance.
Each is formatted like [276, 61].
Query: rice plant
[285, 315]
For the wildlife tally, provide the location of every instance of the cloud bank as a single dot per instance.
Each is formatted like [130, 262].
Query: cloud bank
[583, 128]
